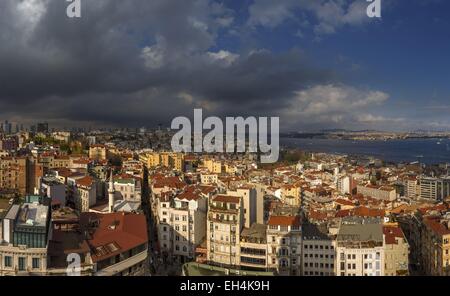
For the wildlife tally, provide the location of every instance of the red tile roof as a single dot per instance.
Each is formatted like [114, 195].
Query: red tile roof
[121, 231]
[391, 233]
[227, 198]
[284, 220]
[85, 181]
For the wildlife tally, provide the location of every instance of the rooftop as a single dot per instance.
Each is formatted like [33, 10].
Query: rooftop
[31, 214]
[256, 231]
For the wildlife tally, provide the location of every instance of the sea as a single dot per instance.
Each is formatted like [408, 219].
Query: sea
[427, 151]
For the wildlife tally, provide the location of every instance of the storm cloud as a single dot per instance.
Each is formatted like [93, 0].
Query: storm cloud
[141, 62]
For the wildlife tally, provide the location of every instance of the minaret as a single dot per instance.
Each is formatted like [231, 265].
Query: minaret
[111, 193]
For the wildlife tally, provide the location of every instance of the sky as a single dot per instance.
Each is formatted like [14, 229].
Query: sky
[316, 64]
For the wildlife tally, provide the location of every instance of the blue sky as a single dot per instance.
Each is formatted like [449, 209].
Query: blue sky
[317, 64]
[406, 54]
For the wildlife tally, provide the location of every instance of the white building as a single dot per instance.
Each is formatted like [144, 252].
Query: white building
[284, 240]
[359, 248]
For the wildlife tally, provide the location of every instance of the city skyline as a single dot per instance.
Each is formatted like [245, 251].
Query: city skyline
[315, 64]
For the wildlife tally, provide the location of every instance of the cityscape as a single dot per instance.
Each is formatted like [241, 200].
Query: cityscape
[210, 138]
[127, 205]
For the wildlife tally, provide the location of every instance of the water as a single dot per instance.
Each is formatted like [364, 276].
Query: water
[426, 151]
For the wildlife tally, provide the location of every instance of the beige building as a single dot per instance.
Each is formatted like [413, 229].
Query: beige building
[379, 192]
[208, 178]
[396, 251]
[98, 152]
[224, 223]
[284, 240]
[253, 203]
[291, 194]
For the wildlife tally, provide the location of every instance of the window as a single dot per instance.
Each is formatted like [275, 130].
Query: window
[306, 246]
[21, 263]
[354, 266]
[8, 261]
[36, 263]
[353, 256]
[349, 266]
[349, 256]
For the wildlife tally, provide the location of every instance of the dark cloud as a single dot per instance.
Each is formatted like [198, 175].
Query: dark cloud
[138, 62]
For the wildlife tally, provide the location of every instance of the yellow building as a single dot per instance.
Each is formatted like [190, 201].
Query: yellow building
[167, 159]
[98, 152]
[213, 166]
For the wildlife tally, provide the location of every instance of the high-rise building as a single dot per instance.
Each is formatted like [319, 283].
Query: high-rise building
[434, 188]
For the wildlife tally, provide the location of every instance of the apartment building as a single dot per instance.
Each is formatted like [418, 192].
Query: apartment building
[13, 174]
[127, 187]
[412, 188]
[379, 192]
[253, 203]
[291, 194]
[84, 193]
[208, 178]
[253, 248]
[284, 240]
[225, 221]
[434, 188]
[213, 166]
[182, 223]
[98, 152]
[435, 245]
[396, 251]
[167, 159]
[359, 248]
[318, 251]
